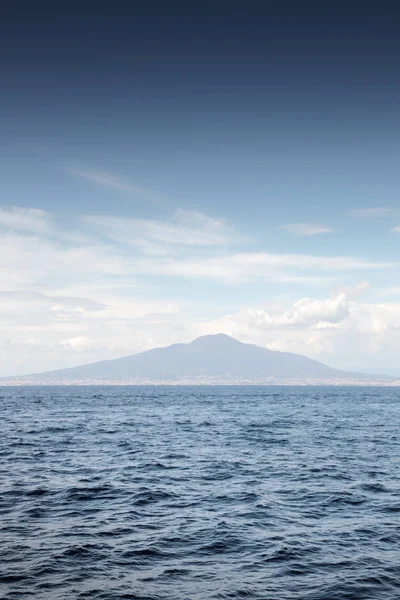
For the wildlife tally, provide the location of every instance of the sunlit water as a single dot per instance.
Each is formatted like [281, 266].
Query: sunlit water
[199, 493]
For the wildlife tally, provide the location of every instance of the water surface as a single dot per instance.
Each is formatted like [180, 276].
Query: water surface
[185, 493]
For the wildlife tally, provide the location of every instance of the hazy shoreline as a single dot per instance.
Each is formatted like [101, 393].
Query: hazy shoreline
[350, 383]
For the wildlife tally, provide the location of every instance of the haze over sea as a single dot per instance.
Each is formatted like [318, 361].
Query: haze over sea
[185, 493]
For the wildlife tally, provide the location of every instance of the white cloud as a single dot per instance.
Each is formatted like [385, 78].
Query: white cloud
[40, 331]
[380, 211]
[191, 245]
[272, 267]
[354, 291]
[27, 299]
[80, 343]
[107, 180]
[393, 291]
[304, 314]
[339, 331]
[315, 312]
[396, 229]
[307, 229]
[185, 228]
[25, 220]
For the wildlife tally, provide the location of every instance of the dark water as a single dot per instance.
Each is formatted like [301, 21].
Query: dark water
[198, 493]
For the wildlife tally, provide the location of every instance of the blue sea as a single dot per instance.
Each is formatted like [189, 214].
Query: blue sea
[184, 493]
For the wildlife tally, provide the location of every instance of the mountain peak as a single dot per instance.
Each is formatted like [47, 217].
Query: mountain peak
[213, 339]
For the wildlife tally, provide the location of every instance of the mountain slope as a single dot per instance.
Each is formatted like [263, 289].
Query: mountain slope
[208, 359]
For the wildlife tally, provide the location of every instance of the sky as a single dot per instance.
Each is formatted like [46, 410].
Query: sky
[180, 170]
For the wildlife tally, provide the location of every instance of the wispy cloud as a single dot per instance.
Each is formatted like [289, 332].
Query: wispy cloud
[306, 229]
[189, 245]
[379, 211]
[157, 236]
[107, 180]
[299, 268]
[31, 220]
[31, 299]
[396, 229]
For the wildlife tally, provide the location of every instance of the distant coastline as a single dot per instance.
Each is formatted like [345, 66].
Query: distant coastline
[25, 381]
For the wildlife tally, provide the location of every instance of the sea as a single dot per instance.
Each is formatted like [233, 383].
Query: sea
[186, 493]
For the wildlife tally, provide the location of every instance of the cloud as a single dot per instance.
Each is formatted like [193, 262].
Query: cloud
[107, 180]
[342, 332]
[28, 220]
[306, 229]
[275, 267]
[304, 314]
[41, 331]
[393, 291]
[110, 283]
[190, 247]
[80, 343]
[374, 212]
[315, 312]
[31, 298]
[185, 228]
[396, 229]
[354, 291]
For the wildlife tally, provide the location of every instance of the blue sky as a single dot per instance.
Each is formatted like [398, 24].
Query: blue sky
[162, 179]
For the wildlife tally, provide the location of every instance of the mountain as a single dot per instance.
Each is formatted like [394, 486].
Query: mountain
[208, 359]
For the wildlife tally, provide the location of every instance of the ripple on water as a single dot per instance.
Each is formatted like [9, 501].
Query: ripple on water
[199, 493]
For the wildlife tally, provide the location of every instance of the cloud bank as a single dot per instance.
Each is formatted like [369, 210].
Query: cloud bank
[105, 286]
